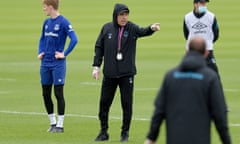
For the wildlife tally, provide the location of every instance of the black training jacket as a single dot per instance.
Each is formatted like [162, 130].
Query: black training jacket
[190, 97]
[106, 46]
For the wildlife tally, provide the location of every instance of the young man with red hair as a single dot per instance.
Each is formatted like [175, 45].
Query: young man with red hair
[51, 52]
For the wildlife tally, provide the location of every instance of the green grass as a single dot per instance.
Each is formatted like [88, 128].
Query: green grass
[20, 90]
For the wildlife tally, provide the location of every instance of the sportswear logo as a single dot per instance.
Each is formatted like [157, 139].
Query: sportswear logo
[109, 35]
[70, 28]
[199, 26]
[130, 80]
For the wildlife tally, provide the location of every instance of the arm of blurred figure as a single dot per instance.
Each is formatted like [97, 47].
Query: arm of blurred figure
[219, 110]
[158, 115]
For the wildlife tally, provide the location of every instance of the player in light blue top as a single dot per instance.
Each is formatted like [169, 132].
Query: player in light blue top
[51, 52]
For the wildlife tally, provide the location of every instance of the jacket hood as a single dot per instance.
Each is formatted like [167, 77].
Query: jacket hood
[117, 10]
[192, 62]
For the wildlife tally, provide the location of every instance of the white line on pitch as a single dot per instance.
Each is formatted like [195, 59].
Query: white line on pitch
[84, 116]
[7, 79]
[150, 89]
[70, 115]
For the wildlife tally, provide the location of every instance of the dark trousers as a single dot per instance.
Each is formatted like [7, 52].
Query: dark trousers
[109, 86]
[211, 62]
[47, 97]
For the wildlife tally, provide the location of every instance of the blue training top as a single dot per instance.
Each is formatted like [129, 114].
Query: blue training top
[53, 39]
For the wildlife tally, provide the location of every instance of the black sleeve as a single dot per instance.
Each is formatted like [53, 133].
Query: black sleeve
[143, 31]
[99, 50]
[215, 29]
[158, 115]
[219, 110]
[185, 30]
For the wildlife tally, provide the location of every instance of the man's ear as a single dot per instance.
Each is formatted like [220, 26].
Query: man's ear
[206, 53]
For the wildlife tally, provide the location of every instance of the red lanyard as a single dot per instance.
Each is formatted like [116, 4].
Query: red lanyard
[120, 32]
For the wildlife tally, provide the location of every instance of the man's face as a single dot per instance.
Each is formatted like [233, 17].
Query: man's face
[47, 9]
[199, 4]
[122, 19]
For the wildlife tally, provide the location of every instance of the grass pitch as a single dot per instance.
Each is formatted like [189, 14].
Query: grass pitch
[23, 118]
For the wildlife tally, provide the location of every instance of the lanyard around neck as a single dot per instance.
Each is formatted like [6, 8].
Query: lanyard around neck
[120, 32]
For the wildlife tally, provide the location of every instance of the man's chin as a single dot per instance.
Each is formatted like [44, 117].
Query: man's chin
[123, 24]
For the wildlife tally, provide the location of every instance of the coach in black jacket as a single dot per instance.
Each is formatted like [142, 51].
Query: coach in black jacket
[190, 97]
[116, 45]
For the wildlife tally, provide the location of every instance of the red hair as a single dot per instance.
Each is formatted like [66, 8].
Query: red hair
[53, 3]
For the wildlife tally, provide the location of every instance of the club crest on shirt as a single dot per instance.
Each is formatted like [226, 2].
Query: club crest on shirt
[125, 34]
[56, 27]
